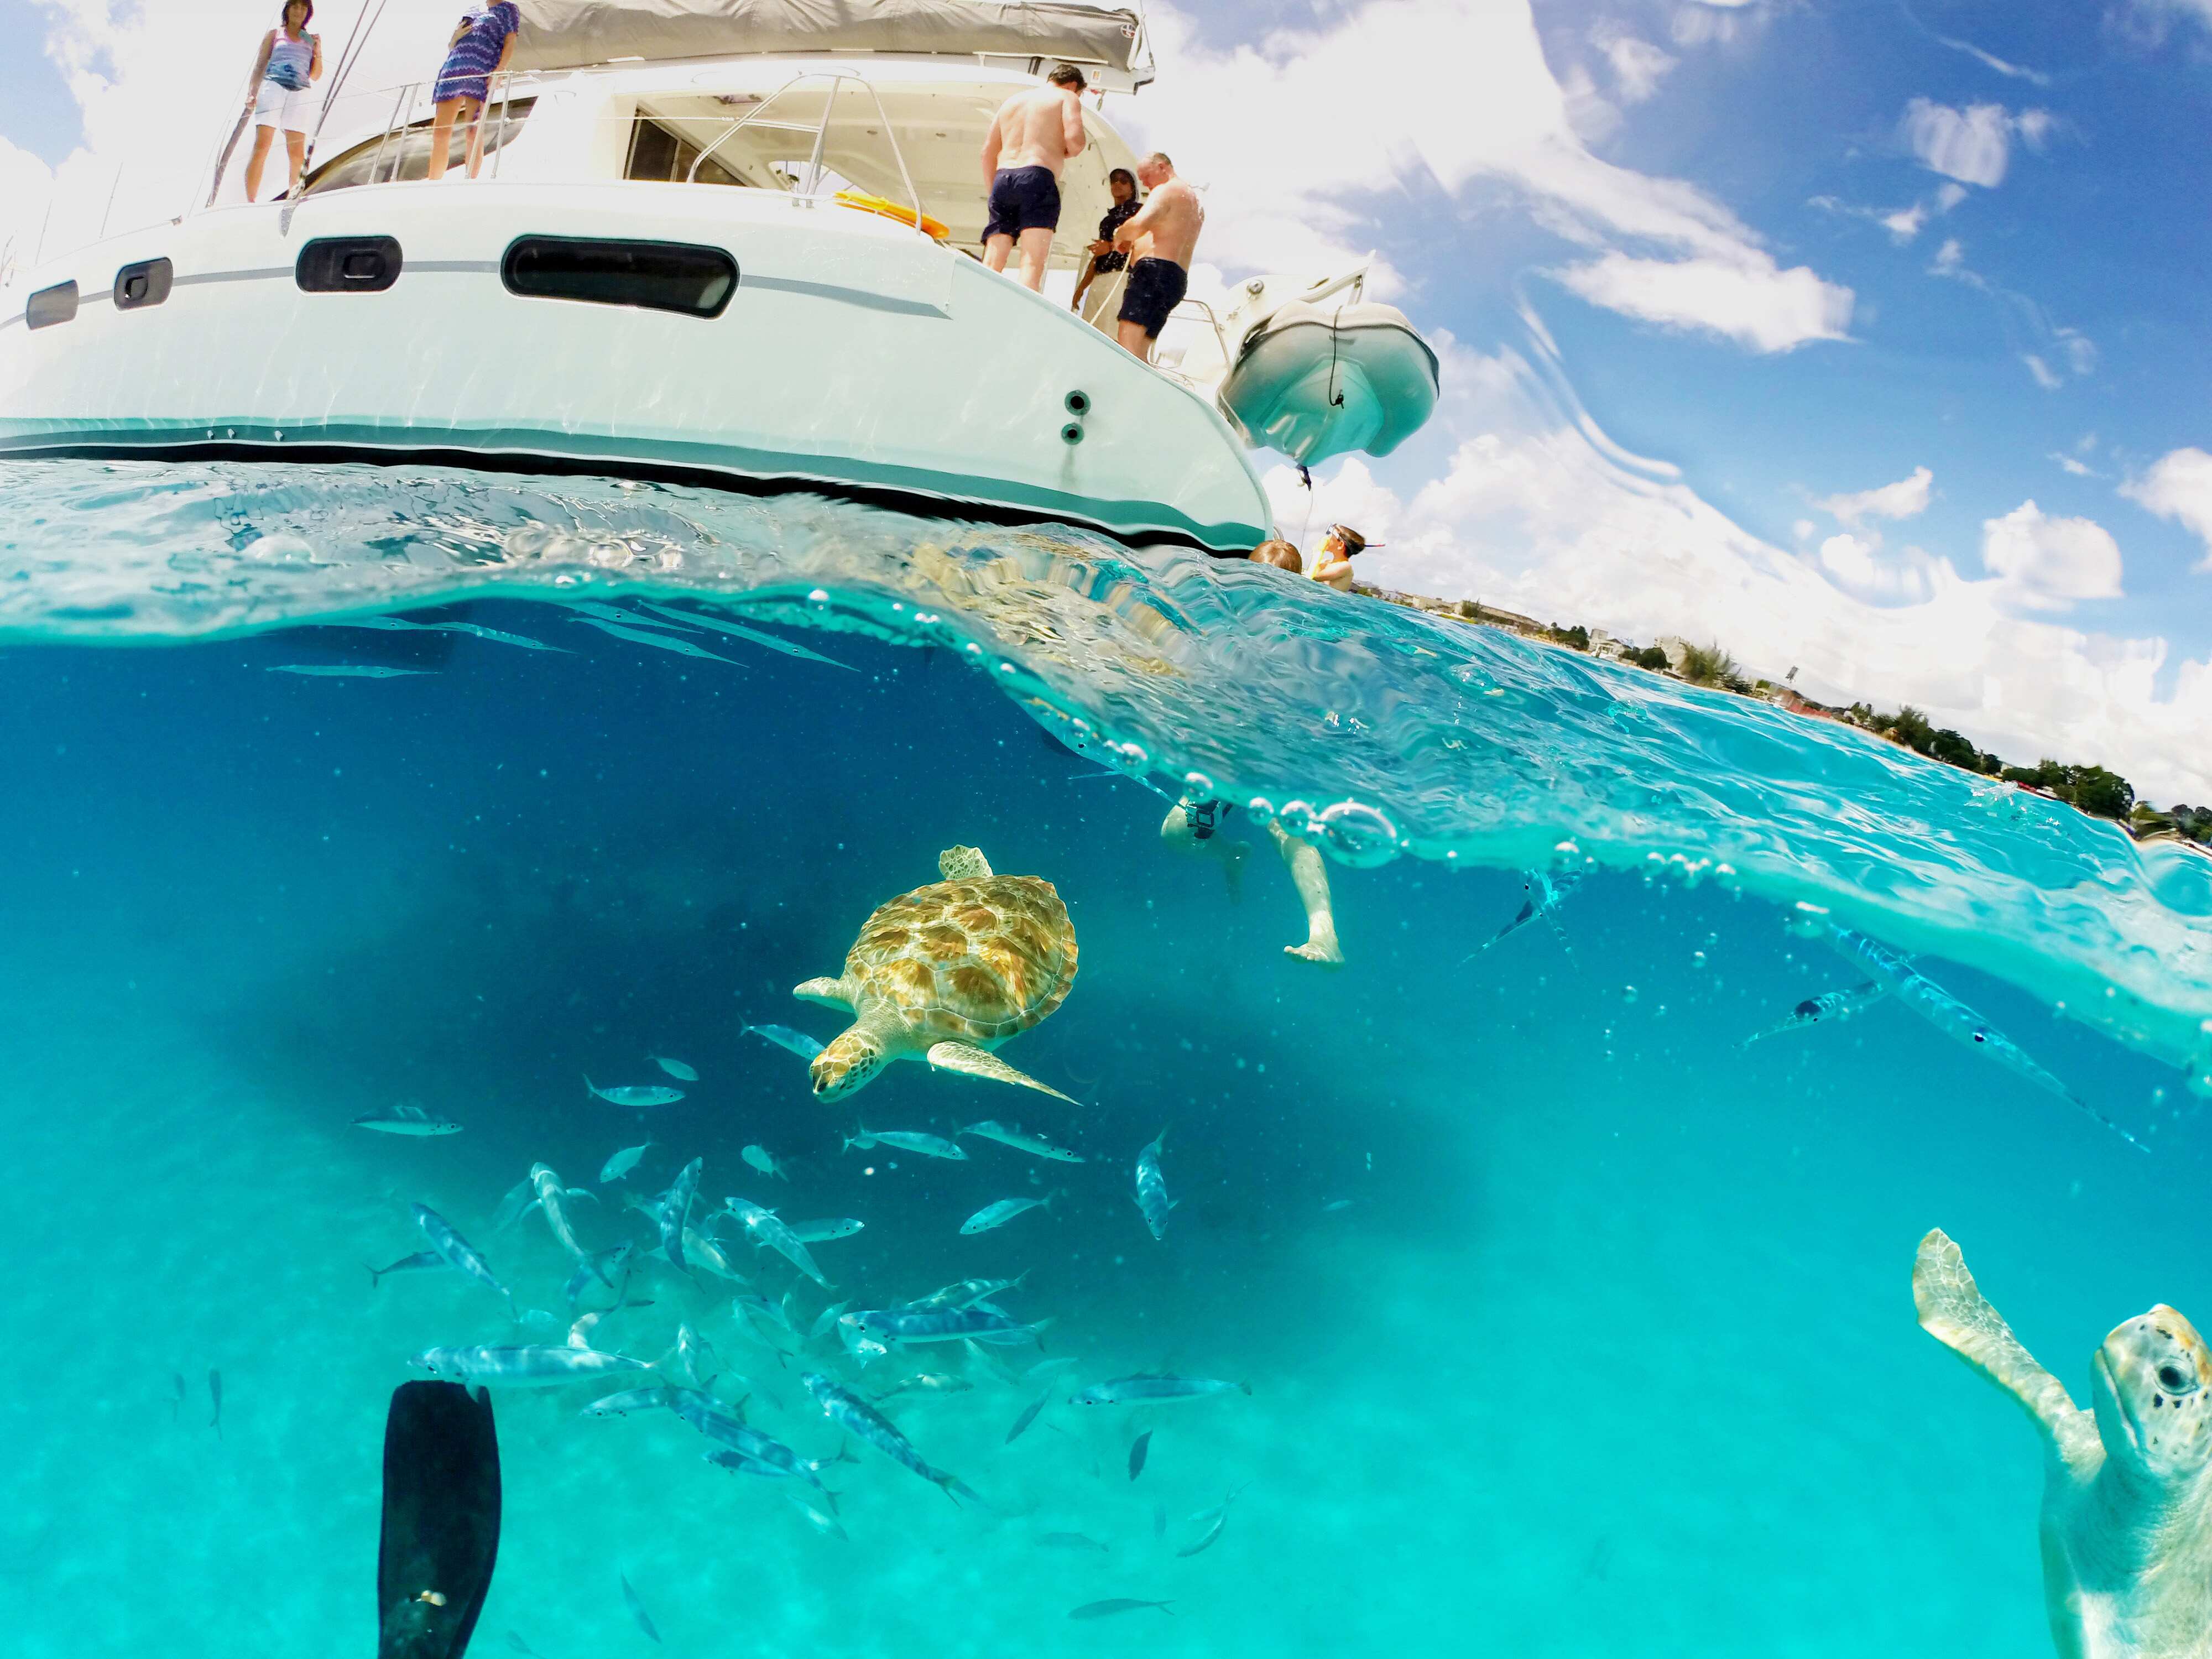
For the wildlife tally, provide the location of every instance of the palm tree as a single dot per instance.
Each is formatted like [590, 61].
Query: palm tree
[1708, 665]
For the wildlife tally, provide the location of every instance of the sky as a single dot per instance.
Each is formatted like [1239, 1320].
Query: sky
[1866, 339]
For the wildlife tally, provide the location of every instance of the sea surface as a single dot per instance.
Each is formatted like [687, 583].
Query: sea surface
[1572, 1325]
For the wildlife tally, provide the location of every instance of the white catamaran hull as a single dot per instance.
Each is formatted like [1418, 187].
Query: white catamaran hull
[853, 355]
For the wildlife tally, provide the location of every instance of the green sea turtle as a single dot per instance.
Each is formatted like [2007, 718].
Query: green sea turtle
[946, 974]
[2127, 1488]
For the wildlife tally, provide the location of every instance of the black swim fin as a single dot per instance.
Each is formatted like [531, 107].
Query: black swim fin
[441, 1520]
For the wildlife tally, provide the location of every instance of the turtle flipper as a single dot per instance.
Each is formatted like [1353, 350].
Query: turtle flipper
[1953, 1310]
[829, 993]
[971, 1061]
[960, 863]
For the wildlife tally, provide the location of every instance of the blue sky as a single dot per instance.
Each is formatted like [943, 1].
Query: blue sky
[1866, 338]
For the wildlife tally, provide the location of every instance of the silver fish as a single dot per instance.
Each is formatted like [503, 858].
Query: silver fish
[767, 1229]
[406, 1120]
[1955, 1020]
[1139, 1451]
[696, 1356]
[421, 1261]
[819, 1232]
[346, 670]
[926, 1383]
[637, 1608]
[761, 1160]
[825, 1321]
[602, 1266]
[999, 1214]
[214, 1395]
[784, 1037]
[552, 1204]
[612, 613]
[624, 1162]
[941, 1325]
[528, 1366]
[629, 1400]
[675, 1068]
[458, 1252]
[1152, 1188]
[864, 1422]
[659, 641]
[1830, 1008]
[637, 1094]
[738, 631]
[1022, 1140]
[907, 1140]
[1547, 890]
[767, 1321]
[1213, 1521]
[702, 1248]
[965, 1293]
[177, 1404]
[1118, 1604]
[675, 1209]
[820, 1521]
[514, 1206]
[495, 636]
[1151, 1389]
[1073, 1541]
[728, 1429]
[1028, 1416]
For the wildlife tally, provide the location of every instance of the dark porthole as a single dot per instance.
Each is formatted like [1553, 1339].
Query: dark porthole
[348, 265]
[53, 305]
[678, 277]
[146, 283]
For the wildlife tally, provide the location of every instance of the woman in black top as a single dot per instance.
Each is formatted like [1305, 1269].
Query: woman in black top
[1104, 257]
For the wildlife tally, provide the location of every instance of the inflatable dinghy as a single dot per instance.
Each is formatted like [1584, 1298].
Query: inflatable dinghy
[1318, 380]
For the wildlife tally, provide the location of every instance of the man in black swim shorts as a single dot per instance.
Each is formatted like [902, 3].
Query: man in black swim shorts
[1164, 235]
[1031, 139]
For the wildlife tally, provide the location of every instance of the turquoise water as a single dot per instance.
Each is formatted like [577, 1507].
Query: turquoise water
[1572, 1328]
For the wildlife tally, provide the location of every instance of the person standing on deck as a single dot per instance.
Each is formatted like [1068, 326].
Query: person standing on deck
[1029, 141]
[291, 59]
[1163, 236]
[1105, 257]
[481, 44]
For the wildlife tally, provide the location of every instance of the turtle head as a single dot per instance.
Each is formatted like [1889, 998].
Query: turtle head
[2152, 1387]
[847, 1064]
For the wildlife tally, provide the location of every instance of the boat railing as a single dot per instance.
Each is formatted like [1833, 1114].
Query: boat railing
[391, 145]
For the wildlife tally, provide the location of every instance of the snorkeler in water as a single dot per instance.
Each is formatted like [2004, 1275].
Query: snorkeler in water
[1195, 826]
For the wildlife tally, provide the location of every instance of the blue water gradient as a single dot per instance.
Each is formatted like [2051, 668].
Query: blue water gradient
[1572, 1328]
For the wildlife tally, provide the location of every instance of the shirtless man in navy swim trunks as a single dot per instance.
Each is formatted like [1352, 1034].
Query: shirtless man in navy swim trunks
[1031, 139]
[1164, 235]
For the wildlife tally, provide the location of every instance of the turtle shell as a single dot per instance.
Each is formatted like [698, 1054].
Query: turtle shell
[973, 960]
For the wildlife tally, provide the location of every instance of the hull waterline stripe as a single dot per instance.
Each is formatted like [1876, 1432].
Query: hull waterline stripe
[742, 471]
[851, 296]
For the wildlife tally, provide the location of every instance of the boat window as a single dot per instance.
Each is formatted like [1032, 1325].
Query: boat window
[53, 305]
[656, 153]
[146, 283]
[348, 265]
[657, 275]
[404, 152]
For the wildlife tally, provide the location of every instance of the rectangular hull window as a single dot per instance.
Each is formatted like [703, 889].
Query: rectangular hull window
[146, 283]
[53, 305]
[348, 265]
[678, 277]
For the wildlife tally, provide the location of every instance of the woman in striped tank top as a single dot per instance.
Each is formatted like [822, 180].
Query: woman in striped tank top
[291, 59]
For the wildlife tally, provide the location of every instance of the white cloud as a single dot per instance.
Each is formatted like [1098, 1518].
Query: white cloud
[1905, 224]
[2179, 487]
[2045, 375]
[1901, 499]
[1971, 145]
[1750, 300]
[1459, 99]
[2081, 351]
[2011, 71]
[2067, 463]
[2035, 127]
[1950, 259]
[1638, 66]
[1536, 510]
[2049, 563]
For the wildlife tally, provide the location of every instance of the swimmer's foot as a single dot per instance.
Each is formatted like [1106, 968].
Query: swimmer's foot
[1324, 951]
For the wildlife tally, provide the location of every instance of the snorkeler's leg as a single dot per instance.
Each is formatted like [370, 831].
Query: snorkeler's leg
[1193, 827]
[1310, 877]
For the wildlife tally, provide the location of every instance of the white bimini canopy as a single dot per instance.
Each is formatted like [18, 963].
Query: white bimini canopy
[578, 33]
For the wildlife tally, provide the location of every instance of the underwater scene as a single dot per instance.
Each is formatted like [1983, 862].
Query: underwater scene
[411, 873]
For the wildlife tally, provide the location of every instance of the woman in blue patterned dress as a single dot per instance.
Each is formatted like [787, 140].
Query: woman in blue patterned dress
[480, 48]
[277, 94]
